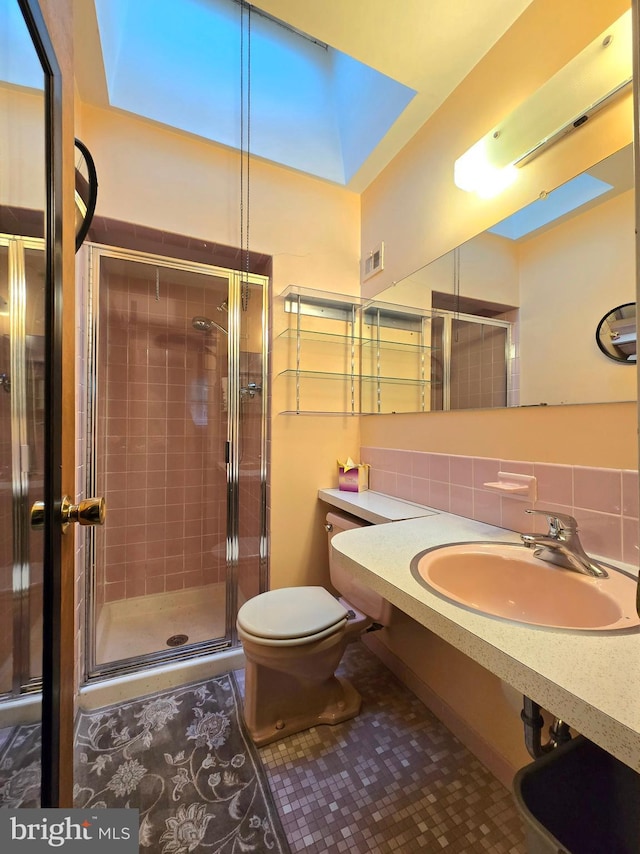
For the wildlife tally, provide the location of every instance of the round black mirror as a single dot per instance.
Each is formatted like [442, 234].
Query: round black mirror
[616, 334]
[86, 191]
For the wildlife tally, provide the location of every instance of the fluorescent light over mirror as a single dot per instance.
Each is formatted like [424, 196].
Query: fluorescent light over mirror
[589, 82]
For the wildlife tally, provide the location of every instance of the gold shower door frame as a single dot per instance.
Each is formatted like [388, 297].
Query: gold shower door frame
[238, 284]
[24, 635]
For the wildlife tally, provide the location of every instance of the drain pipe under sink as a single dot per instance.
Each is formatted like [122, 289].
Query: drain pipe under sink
[533, 723]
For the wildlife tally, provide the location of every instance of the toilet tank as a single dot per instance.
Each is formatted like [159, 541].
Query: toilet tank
[360, 597]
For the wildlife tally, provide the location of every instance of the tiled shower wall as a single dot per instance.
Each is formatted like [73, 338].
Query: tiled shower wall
[162, 427]
[478, 366]
[604, 501]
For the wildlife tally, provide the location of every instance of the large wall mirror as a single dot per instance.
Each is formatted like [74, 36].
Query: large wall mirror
[551, 272]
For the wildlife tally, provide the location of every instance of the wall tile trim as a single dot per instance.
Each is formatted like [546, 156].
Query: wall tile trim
[604, 501]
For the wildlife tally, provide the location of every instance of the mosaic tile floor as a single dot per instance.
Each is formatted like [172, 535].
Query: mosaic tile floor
[394, 779]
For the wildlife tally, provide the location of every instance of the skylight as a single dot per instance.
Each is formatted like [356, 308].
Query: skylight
[570, 196]
[312, 108]
[19, 63]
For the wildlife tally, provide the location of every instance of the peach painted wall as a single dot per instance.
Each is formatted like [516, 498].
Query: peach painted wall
[587, 435]
[153, 176]
[570, 277]
[23, 186]
[488, 271]
[435, 215]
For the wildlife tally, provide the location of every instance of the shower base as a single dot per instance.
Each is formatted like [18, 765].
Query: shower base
[143, 624]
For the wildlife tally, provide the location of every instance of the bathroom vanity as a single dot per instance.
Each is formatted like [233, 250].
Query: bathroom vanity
[588, 678]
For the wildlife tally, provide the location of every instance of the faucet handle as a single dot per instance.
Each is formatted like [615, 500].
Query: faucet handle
[557, 521]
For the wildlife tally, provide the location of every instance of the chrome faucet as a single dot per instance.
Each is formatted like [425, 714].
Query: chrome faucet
[561, 545]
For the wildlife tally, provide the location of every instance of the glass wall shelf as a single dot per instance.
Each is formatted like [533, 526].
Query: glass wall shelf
[323, 412]
[317, 335]
[413, 381]
[320, 375]
[401, 346]
[349, 355]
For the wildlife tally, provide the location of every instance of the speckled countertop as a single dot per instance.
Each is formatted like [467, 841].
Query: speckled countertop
[589, 679]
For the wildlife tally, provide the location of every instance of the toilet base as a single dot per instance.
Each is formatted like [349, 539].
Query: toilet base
[289, 705]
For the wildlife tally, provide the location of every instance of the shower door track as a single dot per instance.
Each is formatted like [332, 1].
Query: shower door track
[94, 671]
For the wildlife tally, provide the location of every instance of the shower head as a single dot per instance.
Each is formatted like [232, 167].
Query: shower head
[205, 324]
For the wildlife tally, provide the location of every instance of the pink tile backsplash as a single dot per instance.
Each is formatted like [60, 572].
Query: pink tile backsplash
[440, 495]
[513, 516]
[554, 483]
[461, 500]
[486, 507]
[604, 501]
[600, 533]
[461, 471]
[630, 493]
[440, 469]
[630, 541]
[598, 489]
[421, 467]
[484, 471]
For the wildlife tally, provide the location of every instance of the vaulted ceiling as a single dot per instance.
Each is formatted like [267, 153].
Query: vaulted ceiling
[339, 110]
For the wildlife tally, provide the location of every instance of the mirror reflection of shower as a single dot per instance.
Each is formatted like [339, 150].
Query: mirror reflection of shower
[249, 390]
[205, 324]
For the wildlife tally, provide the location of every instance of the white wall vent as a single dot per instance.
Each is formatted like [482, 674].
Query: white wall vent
[373, 263]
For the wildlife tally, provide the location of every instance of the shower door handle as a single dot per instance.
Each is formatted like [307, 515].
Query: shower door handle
[90, 511]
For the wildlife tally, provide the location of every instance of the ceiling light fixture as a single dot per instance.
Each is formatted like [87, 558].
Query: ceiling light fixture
[589, 82]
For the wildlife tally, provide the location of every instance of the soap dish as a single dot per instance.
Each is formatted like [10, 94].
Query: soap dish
[514, 485]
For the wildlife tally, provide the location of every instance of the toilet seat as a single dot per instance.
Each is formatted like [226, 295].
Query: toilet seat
[291, 616]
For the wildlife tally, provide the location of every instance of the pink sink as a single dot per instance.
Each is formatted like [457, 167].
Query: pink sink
[507, 580]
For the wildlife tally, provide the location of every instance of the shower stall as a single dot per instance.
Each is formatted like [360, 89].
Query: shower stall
[177, 439]
[22, 407]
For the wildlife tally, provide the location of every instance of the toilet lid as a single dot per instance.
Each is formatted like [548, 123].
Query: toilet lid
[291, 612]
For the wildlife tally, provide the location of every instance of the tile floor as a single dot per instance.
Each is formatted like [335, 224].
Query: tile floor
[394, 779]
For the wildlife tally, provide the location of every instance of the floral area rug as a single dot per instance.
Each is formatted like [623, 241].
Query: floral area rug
[20, 766]
[184, 759]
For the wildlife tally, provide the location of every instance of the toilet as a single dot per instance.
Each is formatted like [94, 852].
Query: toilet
[293, 640]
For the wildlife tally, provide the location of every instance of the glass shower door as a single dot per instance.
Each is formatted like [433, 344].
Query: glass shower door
[158, 455]
[22, 410]
[471, 365]
[176, 442]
